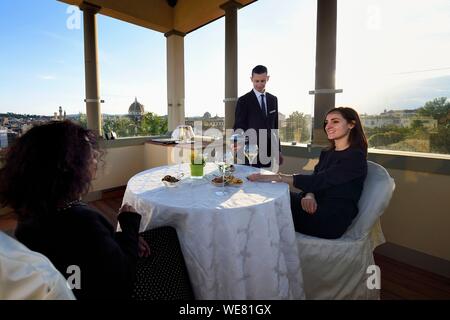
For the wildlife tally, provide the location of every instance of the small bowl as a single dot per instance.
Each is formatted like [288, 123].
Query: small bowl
[170, 184]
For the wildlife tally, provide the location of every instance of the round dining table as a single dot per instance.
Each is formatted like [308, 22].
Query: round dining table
[237, 244]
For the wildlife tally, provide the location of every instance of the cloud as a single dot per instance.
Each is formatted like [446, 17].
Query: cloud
[47, 77]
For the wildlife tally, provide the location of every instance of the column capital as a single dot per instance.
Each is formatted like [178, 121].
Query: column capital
[89, 7]
[174, 32]
[231, 4]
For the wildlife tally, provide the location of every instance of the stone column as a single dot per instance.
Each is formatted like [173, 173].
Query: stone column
[175, 78]
[93, 112]
[325, 66]
[231, 60]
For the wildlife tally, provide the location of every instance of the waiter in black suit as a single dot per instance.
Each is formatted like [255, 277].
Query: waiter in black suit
[257, 110]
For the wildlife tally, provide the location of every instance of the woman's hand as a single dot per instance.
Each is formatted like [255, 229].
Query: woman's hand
[143, 248]
[309, 203]
[127, 208]
[260, 177]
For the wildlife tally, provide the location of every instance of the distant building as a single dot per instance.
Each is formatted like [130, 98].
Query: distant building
[60, 115]
[12, 136]
[3, 137]
[399, 118]
[26, 127]
[219, 122]
[207, 122]
[136, 110]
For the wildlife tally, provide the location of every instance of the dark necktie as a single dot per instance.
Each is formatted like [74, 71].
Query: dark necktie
[263, 105]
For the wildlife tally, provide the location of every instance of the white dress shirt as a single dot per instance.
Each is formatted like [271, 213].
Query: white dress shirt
[28, 275]
[258, 95]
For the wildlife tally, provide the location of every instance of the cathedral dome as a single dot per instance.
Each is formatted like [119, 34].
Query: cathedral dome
[207, 115]
[136, 108]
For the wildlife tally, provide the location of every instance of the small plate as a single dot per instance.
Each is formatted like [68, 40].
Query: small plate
[217, 184]
[233, 182]
[170, 184]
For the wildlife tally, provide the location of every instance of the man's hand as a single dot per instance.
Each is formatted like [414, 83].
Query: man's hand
[309, 203]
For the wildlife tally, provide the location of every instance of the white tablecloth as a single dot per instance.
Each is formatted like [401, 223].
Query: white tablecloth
[238, 246]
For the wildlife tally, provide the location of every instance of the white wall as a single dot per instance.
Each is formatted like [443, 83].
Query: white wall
[120, 164]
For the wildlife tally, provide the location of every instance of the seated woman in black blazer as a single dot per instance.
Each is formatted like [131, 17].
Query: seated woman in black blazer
[46, 172]
[329, 199]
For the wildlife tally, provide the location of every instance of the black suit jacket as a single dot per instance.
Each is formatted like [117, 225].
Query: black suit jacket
[81, 236]
[250, 116]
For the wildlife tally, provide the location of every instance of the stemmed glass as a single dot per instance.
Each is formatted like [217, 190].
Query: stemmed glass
[182, 134]
[237, 142]
[219, 161]
[180, 174]
[251, 152]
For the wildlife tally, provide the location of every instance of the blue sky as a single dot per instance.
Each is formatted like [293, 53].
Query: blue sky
[383, 51]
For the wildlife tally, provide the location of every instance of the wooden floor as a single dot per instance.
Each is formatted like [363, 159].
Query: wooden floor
[399, 281]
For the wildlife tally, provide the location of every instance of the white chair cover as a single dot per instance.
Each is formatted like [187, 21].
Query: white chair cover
[28, 275]
[337, 269]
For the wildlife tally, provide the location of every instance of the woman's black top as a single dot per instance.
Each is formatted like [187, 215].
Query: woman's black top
[80, 236]
[337, 175]
[337, 183]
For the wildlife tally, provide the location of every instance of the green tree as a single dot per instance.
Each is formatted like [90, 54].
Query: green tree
[417, 125]
[440, 141]
[152, 124]
[82, 120]
[438, 108]
[297, 128]
[121, 125]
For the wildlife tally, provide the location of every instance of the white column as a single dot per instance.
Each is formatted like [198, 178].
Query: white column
[175, 78]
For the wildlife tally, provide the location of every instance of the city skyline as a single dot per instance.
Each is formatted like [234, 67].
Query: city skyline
[46, 67]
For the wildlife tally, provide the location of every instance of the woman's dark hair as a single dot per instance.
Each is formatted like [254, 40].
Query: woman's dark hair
[357, 138]
[47, 167]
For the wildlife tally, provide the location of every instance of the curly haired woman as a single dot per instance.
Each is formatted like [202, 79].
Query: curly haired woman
[46, 172]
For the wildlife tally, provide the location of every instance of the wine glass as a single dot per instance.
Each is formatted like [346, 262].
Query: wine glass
[183, 134]
[237, 142]
[221, 165]
[251, 152]
[229, 161]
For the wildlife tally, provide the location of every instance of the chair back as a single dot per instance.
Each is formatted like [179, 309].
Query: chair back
[378, 189]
